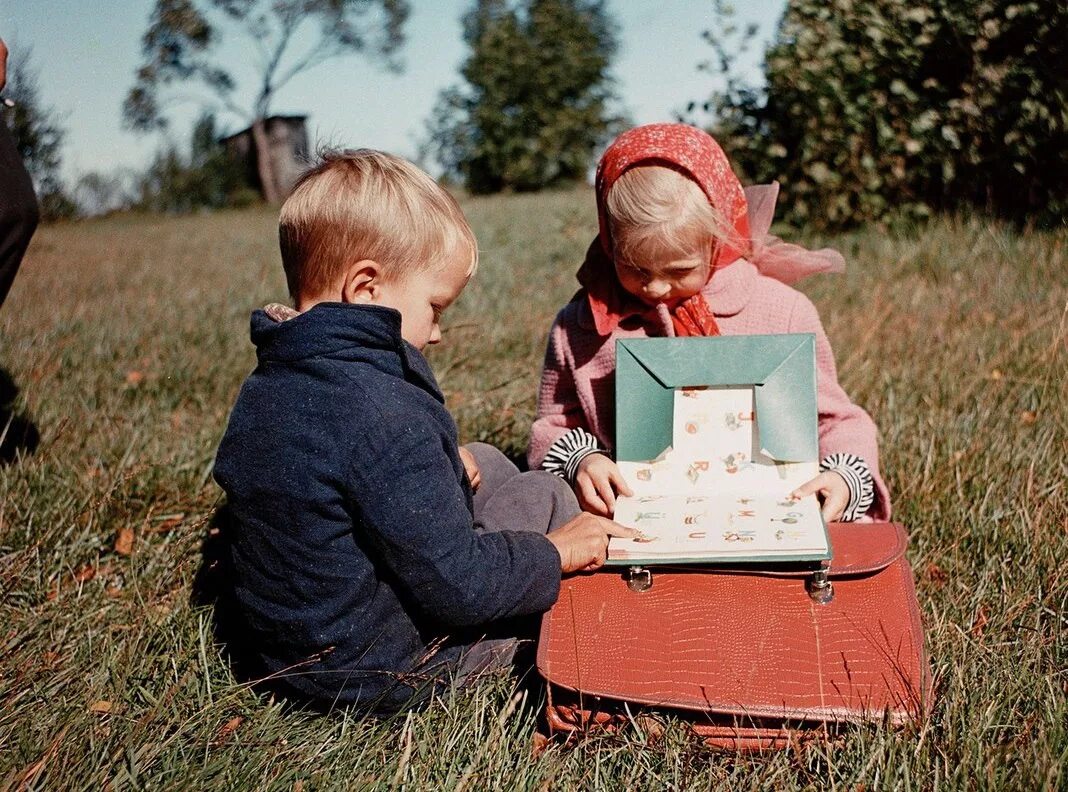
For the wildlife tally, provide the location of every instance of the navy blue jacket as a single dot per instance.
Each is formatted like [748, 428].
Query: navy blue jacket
[352, 541]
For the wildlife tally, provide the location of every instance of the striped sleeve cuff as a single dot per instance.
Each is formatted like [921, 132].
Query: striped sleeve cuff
[858, 478]
[564, 455]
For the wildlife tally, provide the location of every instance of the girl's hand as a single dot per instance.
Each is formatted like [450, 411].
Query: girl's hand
[597, 483]
[474, 475]
[833, 492]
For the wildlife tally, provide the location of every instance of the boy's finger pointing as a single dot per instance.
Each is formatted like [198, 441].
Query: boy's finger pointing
[622, 531]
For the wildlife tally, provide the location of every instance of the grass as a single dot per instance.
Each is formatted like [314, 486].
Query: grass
[128, 339]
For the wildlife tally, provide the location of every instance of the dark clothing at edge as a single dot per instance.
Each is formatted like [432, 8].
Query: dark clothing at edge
[18, 210]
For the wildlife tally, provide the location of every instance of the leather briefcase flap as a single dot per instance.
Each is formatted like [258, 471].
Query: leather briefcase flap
[751, 644]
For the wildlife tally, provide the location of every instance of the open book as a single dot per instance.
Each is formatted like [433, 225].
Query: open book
[715, 494]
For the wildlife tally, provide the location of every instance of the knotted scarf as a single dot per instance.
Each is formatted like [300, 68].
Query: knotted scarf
[747, 212]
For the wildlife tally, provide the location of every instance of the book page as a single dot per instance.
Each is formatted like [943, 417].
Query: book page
[720, 526]
[714, 493]
[715, 449]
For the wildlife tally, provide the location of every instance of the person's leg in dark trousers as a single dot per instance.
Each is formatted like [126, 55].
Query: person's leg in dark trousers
[18, 210]
[508, 500]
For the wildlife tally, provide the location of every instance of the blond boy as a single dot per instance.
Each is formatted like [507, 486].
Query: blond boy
[364, 564]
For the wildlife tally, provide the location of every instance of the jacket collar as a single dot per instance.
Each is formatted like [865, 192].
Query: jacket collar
[346, 332]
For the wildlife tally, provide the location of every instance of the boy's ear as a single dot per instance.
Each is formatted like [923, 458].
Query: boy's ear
[362, 282]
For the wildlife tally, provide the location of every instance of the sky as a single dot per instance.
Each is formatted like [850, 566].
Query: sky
[85, 53]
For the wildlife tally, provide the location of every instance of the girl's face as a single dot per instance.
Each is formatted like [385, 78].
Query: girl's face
[668, 281]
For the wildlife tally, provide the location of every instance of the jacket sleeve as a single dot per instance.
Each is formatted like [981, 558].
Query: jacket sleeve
[413, 507]
[844, 427]
[559, 410]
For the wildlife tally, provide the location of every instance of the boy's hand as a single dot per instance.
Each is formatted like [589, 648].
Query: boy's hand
[583, 542]
[833, 492]
[474, 475]
[597, 483]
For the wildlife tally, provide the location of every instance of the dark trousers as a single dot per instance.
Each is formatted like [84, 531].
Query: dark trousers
[18, 210]
[508, 500]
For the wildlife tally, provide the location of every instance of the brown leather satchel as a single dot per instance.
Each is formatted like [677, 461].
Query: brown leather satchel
[748, 657]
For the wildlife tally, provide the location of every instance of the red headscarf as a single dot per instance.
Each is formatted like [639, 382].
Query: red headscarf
[697, 154]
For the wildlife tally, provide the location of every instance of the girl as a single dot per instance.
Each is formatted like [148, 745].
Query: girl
[683, 250]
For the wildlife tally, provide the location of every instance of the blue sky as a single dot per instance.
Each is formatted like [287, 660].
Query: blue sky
[86, 51]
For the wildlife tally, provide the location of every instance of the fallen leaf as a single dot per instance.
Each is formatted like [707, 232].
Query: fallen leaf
[1028, 417]
[958, 456]
[298, 785]
[100, 707]
[85, 573]
[134, 377]
[124, 541]
[996, 374]
[115, 585]
[227, 729]
[50, 658]
[936, 574]
[982, 616]
[167, 523]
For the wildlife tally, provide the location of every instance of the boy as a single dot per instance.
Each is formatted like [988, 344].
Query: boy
[363, 565]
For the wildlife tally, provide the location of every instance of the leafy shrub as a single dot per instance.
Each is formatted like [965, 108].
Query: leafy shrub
[878, 107]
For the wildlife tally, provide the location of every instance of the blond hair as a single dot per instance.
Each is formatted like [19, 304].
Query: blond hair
[655, 211]
[365, 204]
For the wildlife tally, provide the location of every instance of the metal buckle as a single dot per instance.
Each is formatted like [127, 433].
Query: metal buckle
[819, 587]
[638, 578]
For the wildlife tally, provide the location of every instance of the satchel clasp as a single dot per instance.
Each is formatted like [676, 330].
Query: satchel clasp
[638, 578]
[819, 587]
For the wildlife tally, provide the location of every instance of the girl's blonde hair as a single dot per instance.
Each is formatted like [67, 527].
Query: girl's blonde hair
[366, 204]
[656, 211]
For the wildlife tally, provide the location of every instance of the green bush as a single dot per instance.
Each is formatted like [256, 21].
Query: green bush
[878, 107]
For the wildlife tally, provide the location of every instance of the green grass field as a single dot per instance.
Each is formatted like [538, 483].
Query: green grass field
[128, 339]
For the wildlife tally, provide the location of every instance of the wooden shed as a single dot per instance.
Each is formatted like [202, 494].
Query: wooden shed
[287, 141]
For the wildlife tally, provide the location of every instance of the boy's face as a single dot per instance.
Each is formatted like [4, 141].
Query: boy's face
[669, 281]
[422, 297]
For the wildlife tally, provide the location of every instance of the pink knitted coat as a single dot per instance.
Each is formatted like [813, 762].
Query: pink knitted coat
[578, 379]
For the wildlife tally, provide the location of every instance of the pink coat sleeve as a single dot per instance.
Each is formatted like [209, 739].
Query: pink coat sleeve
[559, 409]
[843, 426]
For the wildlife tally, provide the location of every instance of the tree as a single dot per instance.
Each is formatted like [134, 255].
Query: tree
[39, 139]
[535, 106]
[181, 59]
[876, 107]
